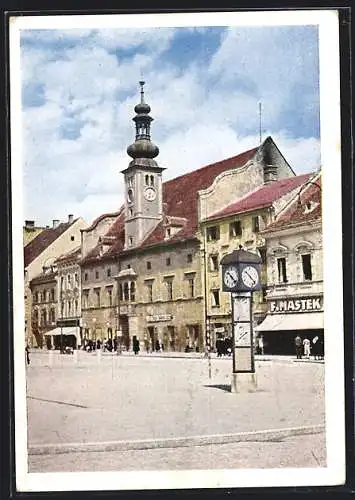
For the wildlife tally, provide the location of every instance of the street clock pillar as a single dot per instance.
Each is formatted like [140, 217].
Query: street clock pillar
[241, 272]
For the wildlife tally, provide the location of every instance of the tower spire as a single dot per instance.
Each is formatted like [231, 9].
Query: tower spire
[143, 147]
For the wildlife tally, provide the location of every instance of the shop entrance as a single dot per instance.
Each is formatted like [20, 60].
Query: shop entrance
[283, 342]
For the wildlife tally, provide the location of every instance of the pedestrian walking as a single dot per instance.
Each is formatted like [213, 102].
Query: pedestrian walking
[27, 354]
[298, 346]
[135, 345]
[307, 348]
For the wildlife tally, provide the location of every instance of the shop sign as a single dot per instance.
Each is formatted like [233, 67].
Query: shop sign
[154, 318]
[296, 305]
[219, 329]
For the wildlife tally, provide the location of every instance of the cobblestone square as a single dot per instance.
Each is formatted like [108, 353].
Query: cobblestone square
[108, 412]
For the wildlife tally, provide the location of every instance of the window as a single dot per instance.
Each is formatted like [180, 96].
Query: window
[307, 266]
[215, 298]
[149, 265]
[169, 288]
[149, 285]
[128, 266]
[130, 181]
[262, 252]
[44, 317]
[132, 292]
[76, 278]
[109, 295]
[255, 224]
[97, 274]
[69, 281]
[85, 298]
[125, 291]
[147, 180]
[109, 272]
[168, 261]
[62, 309]
[121, 291]
[97, 297]
[130, 241]
[76, 307]
[86, 276]
[264, 293]
[38, 297]
[189, 257]
[281, 268]
[152, 180]
[168, 232]
[130, 212]
[235, 229]
[213, 262]
[191, 282]
[52, 315]
[212, 233]
[69, 308]
[62, 283]
[72, 238]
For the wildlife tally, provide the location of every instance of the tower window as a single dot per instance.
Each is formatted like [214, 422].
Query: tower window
[189, 257]
[72, 238]
[86, 276]
[147, 180]
[168, 261]
[130, 241]
[109, 272]
[149, 265]
[307, 266]
[97, 274]
[130, 212]
[152, 180]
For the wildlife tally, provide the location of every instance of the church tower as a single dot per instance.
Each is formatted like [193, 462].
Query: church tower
[143, 180]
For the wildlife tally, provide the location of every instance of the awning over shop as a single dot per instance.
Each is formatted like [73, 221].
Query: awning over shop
[65, 330]
[278, 322]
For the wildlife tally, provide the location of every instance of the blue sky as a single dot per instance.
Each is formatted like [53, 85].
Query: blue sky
[79, 88]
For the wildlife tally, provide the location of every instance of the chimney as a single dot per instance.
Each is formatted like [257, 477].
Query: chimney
[29, 224]
[55, 223]
[70, 218]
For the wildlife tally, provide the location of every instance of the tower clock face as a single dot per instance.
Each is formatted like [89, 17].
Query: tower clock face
[150, 194]
[130, 195]
[230, 277]
[250, 277]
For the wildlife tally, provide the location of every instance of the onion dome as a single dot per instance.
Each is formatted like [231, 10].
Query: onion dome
[142, 147]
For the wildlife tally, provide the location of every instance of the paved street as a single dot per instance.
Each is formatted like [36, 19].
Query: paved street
[108, 398]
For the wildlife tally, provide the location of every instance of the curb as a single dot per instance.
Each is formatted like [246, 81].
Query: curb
[178, 442]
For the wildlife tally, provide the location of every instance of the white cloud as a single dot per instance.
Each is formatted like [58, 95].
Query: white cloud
[75, 142]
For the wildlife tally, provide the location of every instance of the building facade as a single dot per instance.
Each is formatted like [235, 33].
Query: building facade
[240, 224]
[143, 268]
[41, 252]
[44, 306]
[295, 272]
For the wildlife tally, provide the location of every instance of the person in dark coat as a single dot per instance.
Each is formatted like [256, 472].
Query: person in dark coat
[298, 347]
[136, 346]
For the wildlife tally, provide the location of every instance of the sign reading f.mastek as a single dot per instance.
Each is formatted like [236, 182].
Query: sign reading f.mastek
[304, 304]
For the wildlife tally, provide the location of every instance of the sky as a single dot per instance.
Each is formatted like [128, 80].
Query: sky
[204, 85]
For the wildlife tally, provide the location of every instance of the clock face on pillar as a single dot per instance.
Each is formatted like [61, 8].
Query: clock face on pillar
[150, 194]
[230, 277]
[250, 277]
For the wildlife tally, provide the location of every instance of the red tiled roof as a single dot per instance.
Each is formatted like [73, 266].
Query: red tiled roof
[297, 212]
[36, 246]
[180, 204]
[262, 197]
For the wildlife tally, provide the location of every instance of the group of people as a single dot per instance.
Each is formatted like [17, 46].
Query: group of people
[106, 345]
[305, 347]
[224, 347]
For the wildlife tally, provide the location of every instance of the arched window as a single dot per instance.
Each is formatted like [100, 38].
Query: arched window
[147, 180]
[125, 291]
[152, 180]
